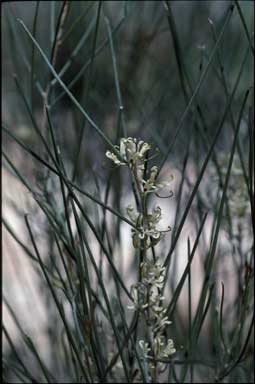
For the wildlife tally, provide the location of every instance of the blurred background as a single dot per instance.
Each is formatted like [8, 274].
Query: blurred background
[133, 66]
[150, 85]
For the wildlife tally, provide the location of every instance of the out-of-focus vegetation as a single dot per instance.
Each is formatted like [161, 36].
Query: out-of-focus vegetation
[77, 77]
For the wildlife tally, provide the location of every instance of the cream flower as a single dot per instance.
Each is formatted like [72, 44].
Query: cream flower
[169, 349]
[158, 345]
[145, 238]
[161, 322]
[138, 293]
[131, 150]
[146, 233]
[154, 273]
[144, 347]
[150, 185]
[114, 158]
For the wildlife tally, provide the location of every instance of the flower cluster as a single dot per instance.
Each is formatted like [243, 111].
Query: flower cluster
[132, 153]
[148, 299]
[146, 233]
[150, 185]
[147, 292]
[131, 150]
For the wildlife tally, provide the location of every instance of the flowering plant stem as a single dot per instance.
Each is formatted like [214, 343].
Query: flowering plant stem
[143, 252]
[147, 292]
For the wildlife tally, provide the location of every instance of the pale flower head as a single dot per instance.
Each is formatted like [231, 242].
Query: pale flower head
[151, 186]
[161, 322]
[158, 345]
[144, 347]
[146, 234]
[138, 293]
[154, 217]
[131, 150]
[169, 349]
[114, 158]
[153, 273]
[145, 238]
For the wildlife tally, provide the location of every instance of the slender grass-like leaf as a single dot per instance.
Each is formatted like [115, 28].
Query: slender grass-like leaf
[251, 169]
[33, 120]
[198, 86]
[111, 317]
[193, 194]
[65, 7]
[64, 264]
[179, 287]
[59, 172]
[88, 88]
[190, 312]
[179, 196]
[87, 64]
[211, 254]
[48, 375]
[68, 92]
[228, 370]
[114, 269]
[88, 310]
[206, 308]
[33, 52]
[221, 319]
[224, 83]
[18, 372]
[244, 25]
[116, 77]
[52, 20]
[15, 237]
[76, 22]
[18, 47]
[75, 52]
[26, 371]
[68, 331]
[59, 162]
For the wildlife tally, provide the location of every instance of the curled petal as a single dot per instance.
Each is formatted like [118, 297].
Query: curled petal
[114, 158]
[144, 347]
[169, 350]
[144, 148]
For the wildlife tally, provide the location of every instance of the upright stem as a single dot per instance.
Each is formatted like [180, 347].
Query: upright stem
[143, 252]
